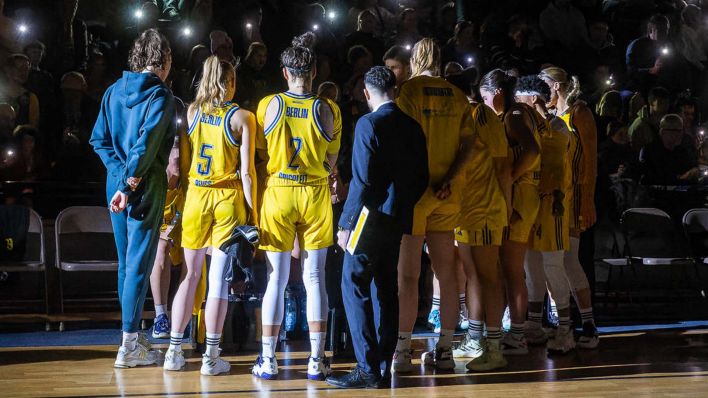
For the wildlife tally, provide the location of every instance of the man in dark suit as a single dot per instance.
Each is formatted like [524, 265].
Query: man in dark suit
[389, 175]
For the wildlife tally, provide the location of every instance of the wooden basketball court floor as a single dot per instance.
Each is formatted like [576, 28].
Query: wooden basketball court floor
[643, 364]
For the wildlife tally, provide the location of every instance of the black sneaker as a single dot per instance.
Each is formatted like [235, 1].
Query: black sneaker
[357, 378]
[589, 338]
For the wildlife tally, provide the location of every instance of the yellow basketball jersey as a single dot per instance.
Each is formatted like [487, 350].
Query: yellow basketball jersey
[483, 200]
[295, 139]
[443, 112]
[575, 148]
[554, 158]
[215, 150]
[533, 174]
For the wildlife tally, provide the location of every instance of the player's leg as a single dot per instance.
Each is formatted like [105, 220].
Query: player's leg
[442, 258]
[512, 259]
[563, 341]
[536, 286]
[159, 285]
[471, 346]
[580, 288]
[486, 260]
[408, 275]
[434, 314]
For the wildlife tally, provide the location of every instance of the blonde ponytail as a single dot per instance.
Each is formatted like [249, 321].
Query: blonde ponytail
[213, 86]
[425, 57]
[573, 90]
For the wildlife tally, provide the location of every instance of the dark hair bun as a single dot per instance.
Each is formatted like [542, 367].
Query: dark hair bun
[306, 39]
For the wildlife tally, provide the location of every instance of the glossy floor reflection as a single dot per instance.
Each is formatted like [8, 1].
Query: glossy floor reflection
[651, 364]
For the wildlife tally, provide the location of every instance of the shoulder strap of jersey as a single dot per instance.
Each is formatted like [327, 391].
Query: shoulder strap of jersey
[233, 107]
[281, 106]
[316, 116]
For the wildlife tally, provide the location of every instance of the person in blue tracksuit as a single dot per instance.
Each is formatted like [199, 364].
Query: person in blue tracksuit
[133, 136]
[389, 175]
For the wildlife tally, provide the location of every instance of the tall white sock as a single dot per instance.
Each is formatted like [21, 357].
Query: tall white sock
[212, 344]
[160, 309]
[176, 340]
[317, 343]
[268, 344]
[130, 340]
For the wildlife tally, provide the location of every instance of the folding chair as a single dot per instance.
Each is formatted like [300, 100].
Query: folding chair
[695, 227]
[651, 239]
[84, 242]
[34, 256]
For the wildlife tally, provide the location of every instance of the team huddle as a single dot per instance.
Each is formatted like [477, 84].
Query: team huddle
[511, 187]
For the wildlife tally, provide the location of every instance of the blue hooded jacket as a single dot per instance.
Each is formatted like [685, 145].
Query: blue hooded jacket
[135, 129]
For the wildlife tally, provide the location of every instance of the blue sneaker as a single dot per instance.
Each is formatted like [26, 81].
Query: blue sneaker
[434, 320]
[161, 327]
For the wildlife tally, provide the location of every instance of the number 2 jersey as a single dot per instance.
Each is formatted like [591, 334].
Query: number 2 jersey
[215, 150]
[296, 140]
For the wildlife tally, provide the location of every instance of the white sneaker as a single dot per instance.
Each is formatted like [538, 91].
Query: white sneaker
[318, 368]
[514, 346]
[402, 361]
[491, 359]
[265, 368]
[140, 356]
[534, 334]
[214, 366]
[441, 358]
[468, 348]
[174, 360]
[562, 342]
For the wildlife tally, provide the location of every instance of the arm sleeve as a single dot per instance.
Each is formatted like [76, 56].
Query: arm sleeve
[158, 121]
[364, 150]
[102, 141]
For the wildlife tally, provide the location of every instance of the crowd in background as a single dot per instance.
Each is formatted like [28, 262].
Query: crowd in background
[636, 60]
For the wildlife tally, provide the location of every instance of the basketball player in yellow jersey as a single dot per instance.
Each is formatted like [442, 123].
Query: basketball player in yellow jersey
[444, 113]
[301, 135]
[479, 236]
[217, 155]
[522, 131]
[583, 152]
[544, 262]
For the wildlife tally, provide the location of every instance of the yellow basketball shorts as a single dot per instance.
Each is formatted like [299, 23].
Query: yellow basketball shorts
[484, 236]
[525, 202]
[551, 233]
[302, 210]
[210, 216]
[434, 215]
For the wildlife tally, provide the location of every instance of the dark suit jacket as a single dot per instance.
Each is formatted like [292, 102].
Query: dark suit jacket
[389, 167]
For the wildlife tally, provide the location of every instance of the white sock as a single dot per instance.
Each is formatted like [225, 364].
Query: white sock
[317, 343]
[445, 339]
[462, 300]
[436, 303]
[176, 340]
[160, 309]
[268, 343]
[404, 341]
[130, 340]
[212, 344]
